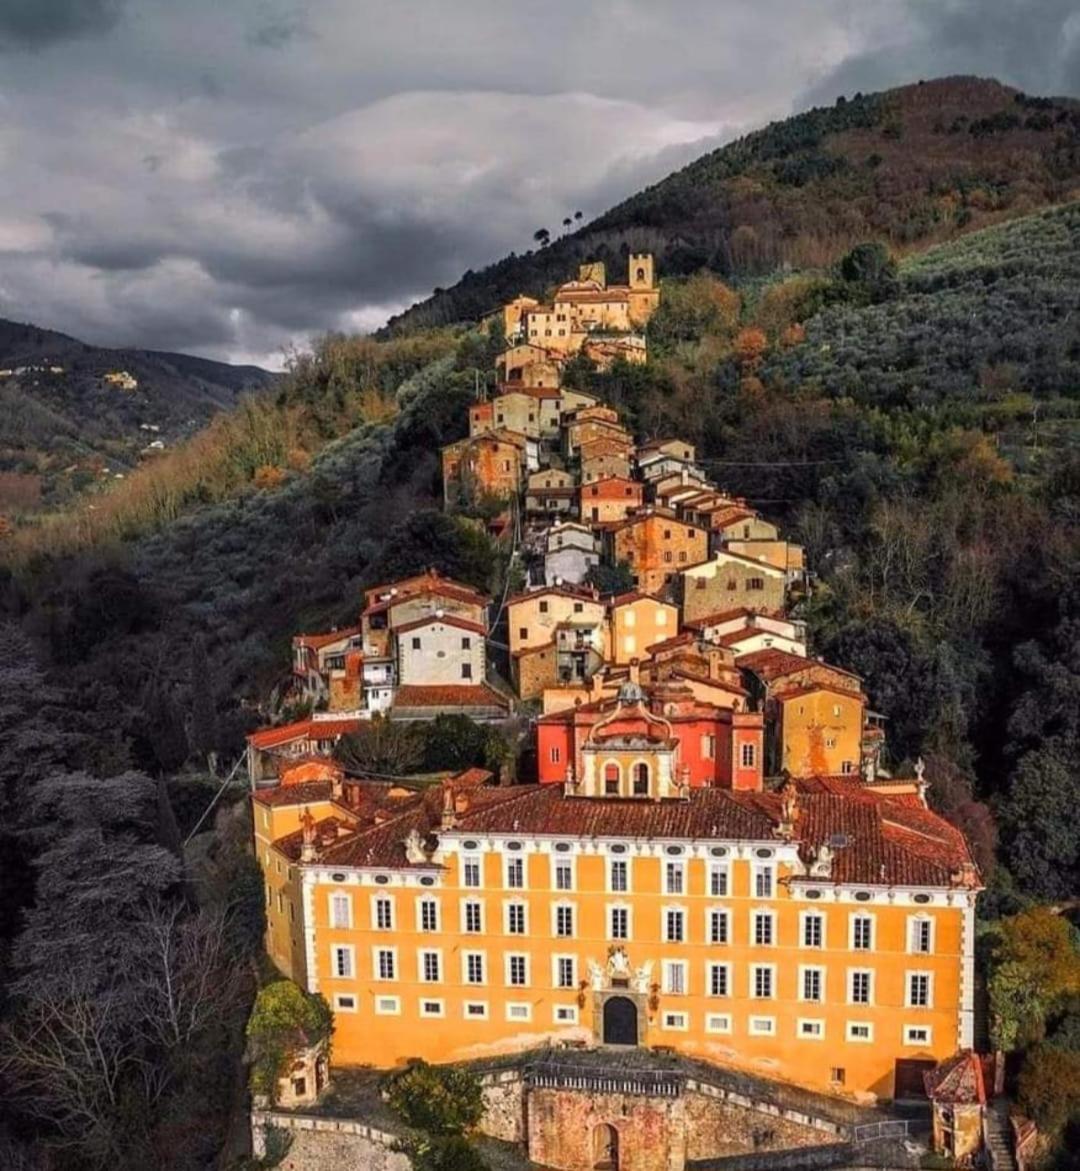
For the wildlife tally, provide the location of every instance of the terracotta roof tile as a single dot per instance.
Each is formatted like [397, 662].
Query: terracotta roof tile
[316, 641]
[448, 695]
[446, 619]
[264, 738]
[305, 793]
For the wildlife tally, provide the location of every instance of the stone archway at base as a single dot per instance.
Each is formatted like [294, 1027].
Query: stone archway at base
[605, 1145]
[620, 1021]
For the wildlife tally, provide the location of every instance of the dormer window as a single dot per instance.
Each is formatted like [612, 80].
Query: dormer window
[641, 779]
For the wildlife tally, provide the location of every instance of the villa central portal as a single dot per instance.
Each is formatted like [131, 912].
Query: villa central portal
[620, 1021]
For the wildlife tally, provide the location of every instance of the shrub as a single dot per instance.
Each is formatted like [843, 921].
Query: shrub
[283, 1019]
[440, 1099]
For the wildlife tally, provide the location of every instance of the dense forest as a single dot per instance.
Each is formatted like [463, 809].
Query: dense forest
[911, 421]
[911, 166]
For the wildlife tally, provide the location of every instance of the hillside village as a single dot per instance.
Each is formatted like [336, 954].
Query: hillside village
[704, 854]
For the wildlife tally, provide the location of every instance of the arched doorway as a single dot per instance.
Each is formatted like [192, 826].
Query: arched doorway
[620, 1021]
[605, 1148]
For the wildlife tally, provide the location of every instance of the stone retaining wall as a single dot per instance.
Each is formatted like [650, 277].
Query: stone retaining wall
[328, 1144]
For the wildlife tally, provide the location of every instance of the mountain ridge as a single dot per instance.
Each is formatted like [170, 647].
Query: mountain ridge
[912, 166]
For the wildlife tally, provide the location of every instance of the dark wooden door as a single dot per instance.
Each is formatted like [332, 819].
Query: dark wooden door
[620, 1021]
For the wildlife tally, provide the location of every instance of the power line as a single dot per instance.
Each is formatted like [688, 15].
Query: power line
[761, 463]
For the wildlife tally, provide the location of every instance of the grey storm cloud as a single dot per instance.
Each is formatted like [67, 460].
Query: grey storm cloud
[234, 178]
[36, 23]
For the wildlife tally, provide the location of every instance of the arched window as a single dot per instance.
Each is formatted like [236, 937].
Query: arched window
[611, 780]
[641, 780]
[640, 274]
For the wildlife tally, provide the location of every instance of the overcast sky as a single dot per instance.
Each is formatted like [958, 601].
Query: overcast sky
[229, 176]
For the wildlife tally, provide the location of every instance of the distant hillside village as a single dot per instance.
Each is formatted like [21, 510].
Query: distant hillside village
[707, 856]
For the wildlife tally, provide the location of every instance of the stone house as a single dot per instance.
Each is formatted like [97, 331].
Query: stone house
[572, 550]
[957, 1092]
[728, 581]
[532, 617]
[638, 620]
[440, 648]
[657, 546]
[482, 465]
[610, 499]
[599, 461]
[550, 493]
[744, 631]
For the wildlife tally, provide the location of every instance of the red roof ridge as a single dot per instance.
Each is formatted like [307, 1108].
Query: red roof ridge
[448, 619]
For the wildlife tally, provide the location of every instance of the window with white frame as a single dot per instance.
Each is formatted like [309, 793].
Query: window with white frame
[515, 918]
[564, 921]
[762, 981]
[564, 873]
[387, 1005]
[385, 963]
[429, 914]
[517, 970]
[344, 1003]
[718, 925]
[470, 869]
[618, 923]
[674, 877]
[749, 755]
[813, 929]
[384, 913]
[430, 964]
[919, 990]
[555, 754]
[917, 1034]
[472, 914]
[813, 1030]
[565, 971]
[674, 977]
[518, 1012]
[717, 1022]
[812, 984]
[676, 1020]
[475, 1009]
[862, 932]
[473, 964]
[433, 1008]
[618, 875]
[565, 1014]
[860, 1031]
[762, 1026]
[340, 910]
[860, 986]
[764, 881]
[515, 873]
[342, 963]
[719, 873]
[718, 979]
[674, 924]
[764, 928]
[920, 935]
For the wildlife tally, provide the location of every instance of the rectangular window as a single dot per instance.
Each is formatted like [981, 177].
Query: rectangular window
[564, 922]
[717, 1022]
[860, 1031]
[917, 1035]
[918, 990]
[619, 923]
[415, 643]
[837, 1075]
[432, 1008]
[812, 1030]
[466, 670]
[748, 755]
[862, 932]
[764, 929]
[387, 1005]
[675, 977]
[673, 925]
[565, 1014]
[761, 982]
[384, 914]
[340, 910]
[474, 917]
[344, 1003]
[812, 985]
[762, 1026]
[718, 880]
[763, 882]
[474, 967]
[518, 1012]
[475, 1009]
[719, 979]
[430, 967]
[719, 930]
[515, 873]
[676, 1020]
[861, 987]
[555, 755]
[515, 918]
[343, 966]
[429, 915]
[619, 875]
[921, 936]
[517, 971]
[565, 974]
[813, 929]
[564, 874]
[674, 875]
[471, 872]
[466, 642]
[385, 965]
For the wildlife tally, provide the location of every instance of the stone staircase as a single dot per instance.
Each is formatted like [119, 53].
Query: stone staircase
[999, 1145]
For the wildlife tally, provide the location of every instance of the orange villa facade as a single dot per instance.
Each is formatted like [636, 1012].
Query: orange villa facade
[823, 935]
